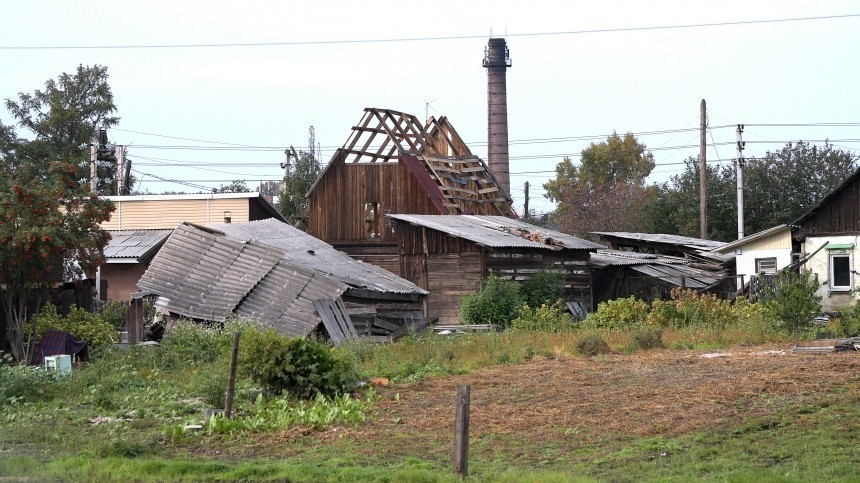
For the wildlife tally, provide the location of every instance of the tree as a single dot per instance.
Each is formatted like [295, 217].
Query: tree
[50, 230]
[237, 186]
[65, 116]
[607, 191]
[778, 188]
[293, 201]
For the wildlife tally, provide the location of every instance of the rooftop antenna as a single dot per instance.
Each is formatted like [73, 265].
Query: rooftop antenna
[427, 107]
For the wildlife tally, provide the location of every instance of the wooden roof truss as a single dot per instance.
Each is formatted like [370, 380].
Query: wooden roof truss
[384, 135]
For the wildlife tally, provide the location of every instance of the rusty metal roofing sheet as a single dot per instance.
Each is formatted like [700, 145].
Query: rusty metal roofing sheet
[606, 257]
[133, 244]
[205, 275]
[678, 275]
[499, 232]
[299, 248]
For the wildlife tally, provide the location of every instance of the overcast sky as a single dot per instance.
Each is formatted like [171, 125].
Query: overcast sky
[324, 62]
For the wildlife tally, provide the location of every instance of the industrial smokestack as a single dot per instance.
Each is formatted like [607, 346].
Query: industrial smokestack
[497, 60]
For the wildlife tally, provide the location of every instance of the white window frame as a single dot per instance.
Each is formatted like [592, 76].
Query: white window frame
[758, 268]
[841, 288]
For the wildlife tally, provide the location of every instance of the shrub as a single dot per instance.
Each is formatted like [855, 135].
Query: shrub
[22, 383]
[81, 324]
[301, 367]
[618, 313]
[544, 287]
[113, 312]
[498, 302]
[546, 318]
[591, 345]
[793, 299]
[690, 308]
[647, 338]
[848, 322]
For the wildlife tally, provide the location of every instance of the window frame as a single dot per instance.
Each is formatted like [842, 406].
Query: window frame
[759, 270]
[832, 277]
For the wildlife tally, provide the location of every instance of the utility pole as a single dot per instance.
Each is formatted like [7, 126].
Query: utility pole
[93, 156]
[526, 203]
[740, 168]
[120, 169]
[703, 174]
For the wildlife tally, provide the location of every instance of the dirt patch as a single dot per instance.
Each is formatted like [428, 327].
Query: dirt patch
[570, 403]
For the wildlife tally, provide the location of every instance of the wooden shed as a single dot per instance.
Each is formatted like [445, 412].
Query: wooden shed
[392, 164]
[448, 255]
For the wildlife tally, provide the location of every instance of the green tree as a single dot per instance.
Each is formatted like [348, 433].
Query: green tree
[794, 299]
[293, 201]
[65, 116]
[50, 227]
[778, 188]
[237, 186]
[607, 191]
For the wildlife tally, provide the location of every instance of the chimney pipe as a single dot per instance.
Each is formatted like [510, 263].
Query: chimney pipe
[497, 60]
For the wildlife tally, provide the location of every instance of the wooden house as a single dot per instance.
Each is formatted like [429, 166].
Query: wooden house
[762, 253]
[828, 237]
[392, 164]
[141, 224]
[448, 255]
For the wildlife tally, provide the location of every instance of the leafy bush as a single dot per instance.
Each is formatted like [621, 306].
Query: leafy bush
[690, 308]
[848, 322]
[301, 367]
[647, 338]
[544, 287]
[22, 383]
[81, 324]
[113, 312]
[592, 344]
[618, 313]
[546, 318]
[498, 302]
[793, 300]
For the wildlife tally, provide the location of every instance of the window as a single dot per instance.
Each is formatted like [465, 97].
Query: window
[765, 265]
[840, 272]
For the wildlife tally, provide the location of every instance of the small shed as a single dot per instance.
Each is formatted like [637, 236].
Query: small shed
[391, 163]
[448, 255]
[278, 274]
[127, 255]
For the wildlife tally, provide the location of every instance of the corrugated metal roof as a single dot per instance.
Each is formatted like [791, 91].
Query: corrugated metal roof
[499, 232]
[133, 244]
[685, 241]
[204, 275]
[284, 298]
[606, 257]
[299, 248]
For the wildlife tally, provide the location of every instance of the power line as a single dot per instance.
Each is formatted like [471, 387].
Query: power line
[424, 39]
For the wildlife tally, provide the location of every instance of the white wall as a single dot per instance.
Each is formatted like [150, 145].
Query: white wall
[820, 264]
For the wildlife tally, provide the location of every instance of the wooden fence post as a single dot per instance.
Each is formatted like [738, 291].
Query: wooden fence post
[461, 431]
[231, 382]
[134, 321]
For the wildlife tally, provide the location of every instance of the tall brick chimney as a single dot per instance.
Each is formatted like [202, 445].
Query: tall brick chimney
[497, 60]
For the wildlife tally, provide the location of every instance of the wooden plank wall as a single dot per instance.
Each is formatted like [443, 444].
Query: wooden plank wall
[520, 264]
[449, 277]
[381, 316]
[383, 255]
[337, 203]
[840, 215]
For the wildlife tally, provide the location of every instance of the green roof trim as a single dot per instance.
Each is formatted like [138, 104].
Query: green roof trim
[839, 246]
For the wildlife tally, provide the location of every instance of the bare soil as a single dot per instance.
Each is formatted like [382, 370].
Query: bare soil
[530, 412]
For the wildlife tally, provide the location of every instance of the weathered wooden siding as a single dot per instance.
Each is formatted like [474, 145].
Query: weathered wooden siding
[841, 214]
[138, 214]
[520, 264]
[383, 255]
[449, 278]
[336, 211]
